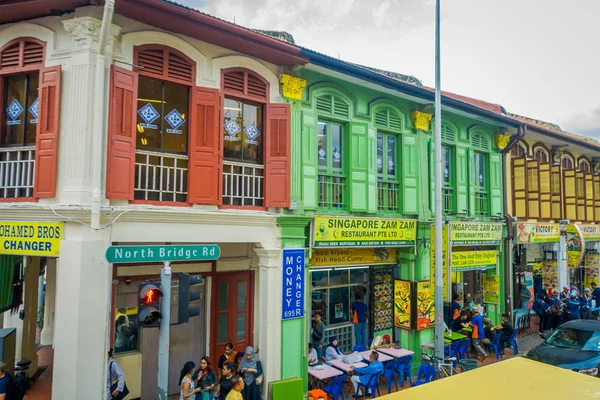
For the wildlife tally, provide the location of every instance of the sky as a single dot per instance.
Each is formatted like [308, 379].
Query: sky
[537, 58]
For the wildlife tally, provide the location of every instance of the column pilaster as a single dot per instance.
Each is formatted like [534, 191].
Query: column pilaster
[47, 335]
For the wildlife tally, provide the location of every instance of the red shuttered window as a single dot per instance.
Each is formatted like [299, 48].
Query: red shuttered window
[278, 156]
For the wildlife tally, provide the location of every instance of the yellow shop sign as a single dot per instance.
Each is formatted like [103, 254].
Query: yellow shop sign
[364, 232]
[473, 233]
[352, 256]
[538, 233]
[591, 233]
[31, 238]
[469, 260]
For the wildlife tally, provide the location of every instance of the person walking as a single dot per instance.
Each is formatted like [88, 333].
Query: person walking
[205, 379]
[359, 311]
[116, 388]
[318, 336]
[250, 370]
[478, 334]
[375, 367]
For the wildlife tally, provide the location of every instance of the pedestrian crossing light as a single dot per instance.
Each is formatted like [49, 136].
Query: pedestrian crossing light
[149, 315]
[186, 297]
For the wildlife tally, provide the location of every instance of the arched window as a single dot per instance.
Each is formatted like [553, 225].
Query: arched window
[541, 155]
[567, 162]
[519, 150]
[584, 165]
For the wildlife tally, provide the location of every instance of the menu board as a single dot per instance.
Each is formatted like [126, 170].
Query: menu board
[549, 272]
[402, 304]
[383, 289]
[592, 269]
[425, 309]
[491, 289]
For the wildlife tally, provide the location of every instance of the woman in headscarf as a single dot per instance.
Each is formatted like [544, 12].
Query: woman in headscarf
[250, 369]
[333, 352]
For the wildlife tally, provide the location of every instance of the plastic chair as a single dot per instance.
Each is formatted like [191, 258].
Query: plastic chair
[390, 374]
[464, 348]
[372, 385]
[424, 375]
[359, 348]
[404, 365]
[513, 341]
[336, 388]
[497, 346]
[454, 350]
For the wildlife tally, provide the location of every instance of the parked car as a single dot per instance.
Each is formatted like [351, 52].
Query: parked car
[574, 345]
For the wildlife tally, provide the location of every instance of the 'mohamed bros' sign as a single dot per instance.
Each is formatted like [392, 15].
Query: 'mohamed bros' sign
[134, 254]
[293, 284]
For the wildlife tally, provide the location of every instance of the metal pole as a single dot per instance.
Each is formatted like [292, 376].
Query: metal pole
[437, 139]
[165, 330]
[563, 277]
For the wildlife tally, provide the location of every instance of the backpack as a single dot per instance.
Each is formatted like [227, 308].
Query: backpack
[11, 390]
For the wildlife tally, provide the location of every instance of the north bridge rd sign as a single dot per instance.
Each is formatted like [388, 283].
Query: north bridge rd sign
[136, 254]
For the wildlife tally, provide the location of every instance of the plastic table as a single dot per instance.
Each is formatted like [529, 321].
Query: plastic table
[396, 353]
[382, 357]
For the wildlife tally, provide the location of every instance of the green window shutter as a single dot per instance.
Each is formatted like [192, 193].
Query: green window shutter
[410, 178]
[431, 179]
[496, 206]
[372, 170]
[462, 179]
[359, 171]
[309, 160]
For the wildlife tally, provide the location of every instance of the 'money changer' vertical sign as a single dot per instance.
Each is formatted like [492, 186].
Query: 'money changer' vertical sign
[293, 284]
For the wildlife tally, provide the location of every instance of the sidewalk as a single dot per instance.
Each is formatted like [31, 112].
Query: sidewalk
[42, 387]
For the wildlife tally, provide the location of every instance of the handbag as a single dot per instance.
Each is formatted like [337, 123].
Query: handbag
[259, 379]
[114, 387]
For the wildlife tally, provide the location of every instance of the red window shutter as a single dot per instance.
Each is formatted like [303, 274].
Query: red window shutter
[46, 150]
[205, 158]
[277, 174]
[120, 164]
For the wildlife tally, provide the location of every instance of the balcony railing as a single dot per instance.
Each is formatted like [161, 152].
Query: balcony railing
[448, 200]
[160, 176]
[331, 191]
[17, 166]
[387, 196]
[243, 184]
[481, 204]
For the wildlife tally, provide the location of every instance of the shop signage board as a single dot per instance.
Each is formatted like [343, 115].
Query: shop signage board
[591, 233]
[472, 260]
[425, 308]
[538, 233]
[476, 233]
[293, 284]
[353, 256]
[363, 232]
[592, 268]
[445, 256]
[575, 246]
[137, 254]
[31, 238]
[402, 304]
[491, 289]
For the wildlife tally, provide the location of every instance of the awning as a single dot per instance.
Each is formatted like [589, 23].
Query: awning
[515, 378]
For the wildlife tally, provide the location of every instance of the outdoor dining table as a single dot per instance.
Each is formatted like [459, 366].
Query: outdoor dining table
[453, 336]
[396, 353]
[382, 357]
[341, 365]
[323, 372]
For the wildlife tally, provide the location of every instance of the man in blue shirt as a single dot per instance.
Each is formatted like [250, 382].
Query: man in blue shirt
[478, 333]
[455, 308]
[596, 294]
[572, 307]
[359, 312]
[375, 367]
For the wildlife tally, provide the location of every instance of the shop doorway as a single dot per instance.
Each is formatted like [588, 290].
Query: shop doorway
[232, 317]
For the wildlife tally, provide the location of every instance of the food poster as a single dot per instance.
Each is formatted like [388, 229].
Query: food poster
[491, 289]
[549, 273]
[592, 268]
[402, 304]
[383, 290]
[529, 283]
[575, 246]
[425, 309]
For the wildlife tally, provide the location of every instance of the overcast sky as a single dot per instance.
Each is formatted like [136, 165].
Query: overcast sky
[538, 58]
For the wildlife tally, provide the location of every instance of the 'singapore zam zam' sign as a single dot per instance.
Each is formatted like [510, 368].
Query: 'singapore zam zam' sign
[293, 284]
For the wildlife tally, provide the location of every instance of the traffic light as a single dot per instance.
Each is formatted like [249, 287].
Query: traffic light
[148, 314]
[186, 297]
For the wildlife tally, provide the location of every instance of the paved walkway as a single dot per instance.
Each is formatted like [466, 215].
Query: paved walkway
[42, 387]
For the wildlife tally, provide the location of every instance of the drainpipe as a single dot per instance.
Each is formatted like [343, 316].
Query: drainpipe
[509, 226]
[99, 117]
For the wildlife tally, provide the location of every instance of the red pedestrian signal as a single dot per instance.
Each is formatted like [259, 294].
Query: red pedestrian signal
[149, 305]
[150, 296]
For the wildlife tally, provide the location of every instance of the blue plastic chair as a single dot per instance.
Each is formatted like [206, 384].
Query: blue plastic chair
[497, 346]
[454, 350]
[372, 385]
[513, 341]
[425, 374]
[336, 388]
[359, 348]
[405, 368]
[390, 374]
[464, 348]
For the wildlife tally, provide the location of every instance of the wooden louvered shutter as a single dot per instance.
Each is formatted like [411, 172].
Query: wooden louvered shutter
[545, 192]
[462, 179]
[410, 174]
[496, 192]
[580, 187]
[589, 197]
[570, 194]
[596, 198]
[205, 154]
[533, 189]
[120, 164]
[277, 159]
[358, 176]
[556, 188]
[46, 151]
[309, 160]
[519, 175]
[372, 170]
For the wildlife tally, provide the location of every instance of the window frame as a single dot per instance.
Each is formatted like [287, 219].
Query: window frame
[477, 188]
[567, 156]
[263, 132]
[385, 178]
[329, 170]
[26, 105]
[451, 185]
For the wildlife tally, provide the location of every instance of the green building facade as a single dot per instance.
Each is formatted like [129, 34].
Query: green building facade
[362, 195]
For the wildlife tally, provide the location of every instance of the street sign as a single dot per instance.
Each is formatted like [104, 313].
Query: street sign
[135, 254]
[293, 284]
